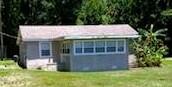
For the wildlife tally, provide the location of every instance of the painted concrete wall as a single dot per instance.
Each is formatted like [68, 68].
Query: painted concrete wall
[100, 62]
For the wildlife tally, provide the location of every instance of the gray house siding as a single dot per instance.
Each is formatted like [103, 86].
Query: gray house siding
[32, 50]
[73, 62]
[22, 53]
[100, 61]
[66, 57]
[66, 63]
[33, 59]
[56, 51]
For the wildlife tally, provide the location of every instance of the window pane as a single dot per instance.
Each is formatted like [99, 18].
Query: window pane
[45, 52]
[78, 44]
[100, 46]
[45, 46]
[111, 46]
[78, 47]
[88, 47]
[88, 50]
[121, 46]
[78, 50]
[67, 51]
[45, 49]
[111, 49]
[66, 48]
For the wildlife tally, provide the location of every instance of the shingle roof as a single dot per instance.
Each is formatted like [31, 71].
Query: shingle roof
[34, 32]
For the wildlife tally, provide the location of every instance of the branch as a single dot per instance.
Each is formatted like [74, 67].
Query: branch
[8, 35]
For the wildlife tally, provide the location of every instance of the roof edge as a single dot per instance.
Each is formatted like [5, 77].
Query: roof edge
[82, 37]
[99, 37]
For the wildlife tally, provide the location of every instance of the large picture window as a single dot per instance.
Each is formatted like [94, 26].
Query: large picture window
[45, 49]
[92, 47]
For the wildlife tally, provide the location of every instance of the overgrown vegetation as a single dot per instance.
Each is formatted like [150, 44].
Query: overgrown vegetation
[149, 48]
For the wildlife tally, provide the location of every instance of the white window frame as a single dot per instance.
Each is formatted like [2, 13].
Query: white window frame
[40, 53]
[94, 52]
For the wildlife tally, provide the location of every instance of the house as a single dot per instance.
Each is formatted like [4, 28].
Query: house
[75, 47]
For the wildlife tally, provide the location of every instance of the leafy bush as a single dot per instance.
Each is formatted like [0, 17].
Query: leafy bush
[149, 48]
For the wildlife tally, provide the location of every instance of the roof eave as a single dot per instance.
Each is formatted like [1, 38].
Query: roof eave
[80, 37]
[99, 37]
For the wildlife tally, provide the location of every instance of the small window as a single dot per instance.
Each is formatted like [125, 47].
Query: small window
[78, 47]
[45, 49]
[88, 47]
[120, 46]
[66, 48]
[99, 46]
[111, 46]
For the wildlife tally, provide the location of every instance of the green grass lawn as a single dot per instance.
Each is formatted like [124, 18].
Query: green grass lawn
[136, 77]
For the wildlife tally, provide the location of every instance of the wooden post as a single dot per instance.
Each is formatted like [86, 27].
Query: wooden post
[2, 43]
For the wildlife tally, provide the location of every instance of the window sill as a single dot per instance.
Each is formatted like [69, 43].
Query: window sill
[116, 53]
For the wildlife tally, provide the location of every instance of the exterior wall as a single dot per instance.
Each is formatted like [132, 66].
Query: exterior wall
[33, 58]
[100, 61]
[22, 53]
[32, 50]
[73, 62]
[66, 64]
[56, 51]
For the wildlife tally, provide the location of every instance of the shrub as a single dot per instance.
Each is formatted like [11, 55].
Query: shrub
[148, 48]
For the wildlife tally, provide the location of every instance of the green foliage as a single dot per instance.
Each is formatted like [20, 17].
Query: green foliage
[148, 48]
[137, 13]
[134, 12]
[104, 11]
[167, 12]
[93, 12]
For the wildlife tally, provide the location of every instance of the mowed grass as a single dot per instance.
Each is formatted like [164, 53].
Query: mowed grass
[136, 77]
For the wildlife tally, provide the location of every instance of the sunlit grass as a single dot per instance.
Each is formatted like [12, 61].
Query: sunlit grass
[135, 77]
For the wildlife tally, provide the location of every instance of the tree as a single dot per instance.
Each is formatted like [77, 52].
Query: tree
[149, 49]
[34, 12]
[93, 12]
